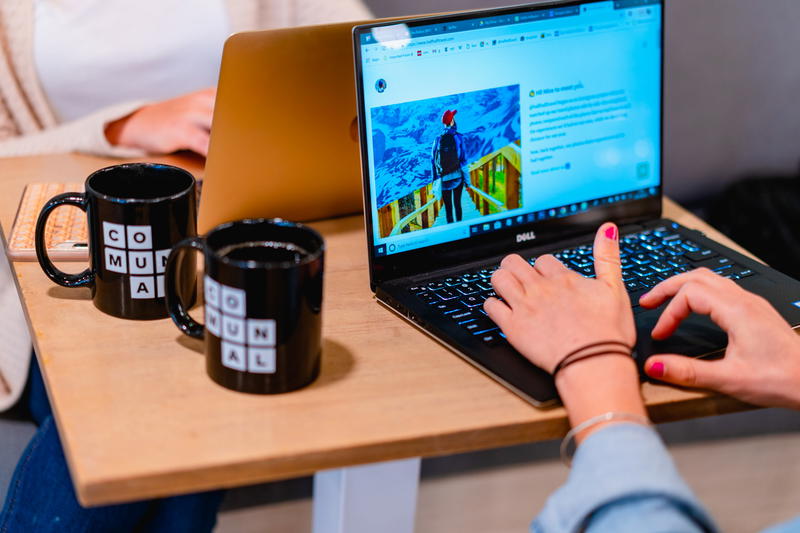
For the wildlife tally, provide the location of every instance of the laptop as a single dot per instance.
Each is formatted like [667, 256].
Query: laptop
[284, 134]
[522, 130]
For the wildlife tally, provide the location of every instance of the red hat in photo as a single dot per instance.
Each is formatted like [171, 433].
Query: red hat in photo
[447, 118]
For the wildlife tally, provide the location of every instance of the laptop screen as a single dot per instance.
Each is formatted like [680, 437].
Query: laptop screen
[489, 122]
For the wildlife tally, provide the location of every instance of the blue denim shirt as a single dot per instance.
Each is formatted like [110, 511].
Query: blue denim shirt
[623, 480]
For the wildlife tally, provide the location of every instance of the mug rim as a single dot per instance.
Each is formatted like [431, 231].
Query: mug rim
[252, 263]
[128, 201]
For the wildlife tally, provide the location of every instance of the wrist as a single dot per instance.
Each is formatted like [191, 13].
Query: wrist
[599, 385]
[117, 133]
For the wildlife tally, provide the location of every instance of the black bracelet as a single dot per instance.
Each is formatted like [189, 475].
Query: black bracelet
[577, 351]
[611, 351]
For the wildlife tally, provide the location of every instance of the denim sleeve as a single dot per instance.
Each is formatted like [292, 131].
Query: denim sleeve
[623, 480]
[462, 151]
[787, 527]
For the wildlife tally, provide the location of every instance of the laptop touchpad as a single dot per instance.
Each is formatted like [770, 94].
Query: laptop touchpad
[697, 336]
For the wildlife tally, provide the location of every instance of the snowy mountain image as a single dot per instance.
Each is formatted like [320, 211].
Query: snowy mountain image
[403, 135]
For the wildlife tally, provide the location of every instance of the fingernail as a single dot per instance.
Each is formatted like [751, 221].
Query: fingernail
[611, 233]
[657, 369]
[643, 296]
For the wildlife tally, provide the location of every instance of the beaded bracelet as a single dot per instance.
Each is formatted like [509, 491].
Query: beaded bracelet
[605, 417]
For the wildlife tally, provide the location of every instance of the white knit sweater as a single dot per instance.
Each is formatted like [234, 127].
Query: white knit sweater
[28, 126]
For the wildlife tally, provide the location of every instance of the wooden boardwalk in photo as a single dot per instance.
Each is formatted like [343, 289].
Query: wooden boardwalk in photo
[468, 210]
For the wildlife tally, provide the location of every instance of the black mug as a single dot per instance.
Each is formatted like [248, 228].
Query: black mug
[263, 303]
[136, 213]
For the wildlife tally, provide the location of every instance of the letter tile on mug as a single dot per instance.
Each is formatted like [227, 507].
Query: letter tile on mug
[140, 238]
[233, 329]
[261, 360]
[140, 262]
[234, 356]
[143, 287]
[161, 260]
[160, 286]
[260, 332]
[114, 235]
[213, 321]
[212, 292]
[116, 261]
[233, 301]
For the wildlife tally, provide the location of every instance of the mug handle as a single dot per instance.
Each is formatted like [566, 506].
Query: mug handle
[85, 278]
[177, 311]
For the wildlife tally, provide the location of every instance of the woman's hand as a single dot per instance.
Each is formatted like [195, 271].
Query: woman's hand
[548, 311]
[183, 123]
[762, 361]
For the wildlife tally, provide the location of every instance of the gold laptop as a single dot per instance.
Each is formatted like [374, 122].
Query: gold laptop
[284, 139]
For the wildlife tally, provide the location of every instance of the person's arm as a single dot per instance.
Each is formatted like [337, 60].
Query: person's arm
[85, 135]
[623, 480]
[462, 157]
[547, 312]
[434, 150]
[792, 526]
[131, 129]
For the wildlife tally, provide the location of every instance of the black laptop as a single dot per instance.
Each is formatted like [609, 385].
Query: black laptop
[522, 130]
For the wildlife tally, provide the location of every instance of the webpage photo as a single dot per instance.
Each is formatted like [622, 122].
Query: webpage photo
[484, 123]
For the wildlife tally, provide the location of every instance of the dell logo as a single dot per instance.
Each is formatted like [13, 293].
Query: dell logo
[524, 237]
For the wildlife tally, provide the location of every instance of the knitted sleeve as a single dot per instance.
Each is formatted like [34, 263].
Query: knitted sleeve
[308, 12]
[86, 135]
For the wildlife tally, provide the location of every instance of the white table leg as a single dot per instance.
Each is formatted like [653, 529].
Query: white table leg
[367, 499]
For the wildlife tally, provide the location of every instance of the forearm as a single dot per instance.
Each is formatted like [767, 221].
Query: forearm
[603, 384]
[83, 135]
[623, 480]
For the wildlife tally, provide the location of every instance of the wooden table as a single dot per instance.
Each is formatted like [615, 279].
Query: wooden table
[138, 417]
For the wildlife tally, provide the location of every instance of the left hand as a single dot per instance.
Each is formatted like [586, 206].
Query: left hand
[548, 310]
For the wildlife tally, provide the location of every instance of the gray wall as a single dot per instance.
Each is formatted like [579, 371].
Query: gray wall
[732, 84]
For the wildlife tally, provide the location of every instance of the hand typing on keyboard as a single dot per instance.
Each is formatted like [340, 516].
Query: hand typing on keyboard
[548, 311]
[762, 361]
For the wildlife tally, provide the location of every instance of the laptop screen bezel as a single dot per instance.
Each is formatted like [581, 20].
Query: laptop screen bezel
[439, 256]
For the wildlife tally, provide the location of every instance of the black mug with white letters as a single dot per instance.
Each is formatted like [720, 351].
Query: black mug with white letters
[263, 303]
[137, 212]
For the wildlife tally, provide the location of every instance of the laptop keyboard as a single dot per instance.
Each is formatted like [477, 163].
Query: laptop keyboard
[648, 257]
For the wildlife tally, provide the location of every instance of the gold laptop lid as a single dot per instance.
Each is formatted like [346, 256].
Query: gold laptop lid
[284, 139]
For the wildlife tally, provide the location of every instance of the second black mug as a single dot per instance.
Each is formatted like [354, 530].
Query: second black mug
[263, 303]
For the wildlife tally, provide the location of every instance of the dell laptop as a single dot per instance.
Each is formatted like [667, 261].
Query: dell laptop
[522, 130]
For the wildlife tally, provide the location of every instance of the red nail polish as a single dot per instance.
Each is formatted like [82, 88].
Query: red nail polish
[611, 233]
[657, 369]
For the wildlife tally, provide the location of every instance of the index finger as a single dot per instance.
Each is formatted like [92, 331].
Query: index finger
[690, 298]
[670, 287]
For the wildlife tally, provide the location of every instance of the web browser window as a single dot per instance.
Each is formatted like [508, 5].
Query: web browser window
[483, 124]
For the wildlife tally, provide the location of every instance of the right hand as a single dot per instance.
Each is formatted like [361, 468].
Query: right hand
[762, 361]
[182, 123]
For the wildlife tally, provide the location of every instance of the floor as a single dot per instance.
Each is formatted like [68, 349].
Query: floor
[747, 483]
